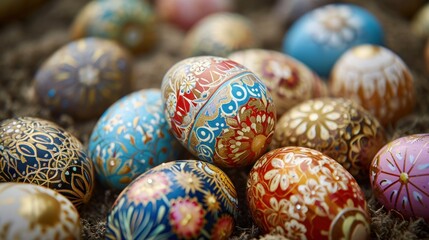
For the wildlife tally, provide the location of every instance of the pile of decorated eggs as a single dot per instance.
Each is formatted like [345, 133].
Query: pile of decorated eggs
[321, 36]
[84, 77]
[131, 137]
[400, 176]
[29, 211]
[176, 200]
[302, 194]
[131, 23]
[289, 81]
[219, 110]
[40, 152]
[336, 127]
[377, 79]
[220, 34]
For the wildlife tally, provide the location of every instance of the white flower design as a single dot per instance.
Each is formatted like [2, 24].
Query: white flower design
[297, 208]
[295, 230]
[187, 84]
[171, 104]
[333, 180]
[199, 67]
[278, 213]
[281, 174]
[312, 192]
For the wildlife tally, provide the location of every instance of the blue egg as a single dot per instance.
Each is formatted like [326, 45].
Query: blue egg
[131, 137]
[185, 199]
[321, 36]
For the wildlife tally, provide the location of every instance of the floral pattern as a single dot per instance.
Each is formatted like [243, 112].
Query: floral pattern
[306, 207]
[175, 200]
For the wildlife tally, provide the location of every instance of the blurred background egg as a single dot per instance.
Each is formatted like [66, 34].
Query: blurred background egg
[376, 78]
[219, 110]
[29, 211]
[220, 34]
[336, 127]
[185, 199]
[406, 10]
[84, 77]
[420, 22]
[321, 36]
[400, 176]
[302, 194]
[131, 137]
[37, 151]
[287, 11]
[132, 23]
[289, 81]
[185, 13]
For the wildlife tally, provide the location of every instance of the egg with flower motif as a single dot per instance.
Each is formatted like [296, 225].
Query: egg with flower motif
[377, 79]
[219, 34]
[40, 152]
[289, 81]
[219, 110]
[400, 176]
[131, 137]
[321, 36]
[131, 23]
[336, 127]
[176, 200]
[84, 77]
[29, 211]
[303, 194]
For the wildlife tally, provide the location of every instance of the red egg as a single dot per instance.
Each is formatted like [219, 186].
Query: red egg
[303, 194]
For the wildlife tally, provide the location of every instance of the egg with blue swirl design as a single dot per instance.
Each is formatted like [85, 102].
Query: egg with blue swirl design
[219, 110]
[185, 199]
[131, 137]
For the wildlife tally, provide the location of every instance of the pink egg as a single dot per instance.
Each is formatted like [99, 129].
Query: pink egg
[400, 175]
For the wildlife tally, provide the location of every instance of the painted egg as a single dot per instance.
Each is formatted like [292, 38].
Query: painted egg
[303, 194]
[406, 10]
[219, 34]
[420, 22]
[338, 128]
[400, 176]
[185, 199]
[321, 36]
[288, 11]
[29, 211]
[37, 151]
[185, 13]
[289, 81]
[131, 137]
[219, 110]
[131, 23]
[377, 79]
[84, 77]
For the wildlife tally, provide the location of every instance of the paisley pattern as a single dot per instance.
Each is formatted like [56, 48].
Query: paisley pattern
[219, 110]
[175, 200]
[29, 211]
[37, 151]
[400, 173]
[84, 77]
[131, 23]
[131, 137]
[219, 34]
[377, 79]
[337, 127]
[303, 194]
[289, 81]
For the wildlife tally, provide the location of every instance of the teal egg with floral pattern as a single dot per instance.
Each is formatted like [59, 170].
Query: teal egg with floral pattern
[131, 137]
[185, 199]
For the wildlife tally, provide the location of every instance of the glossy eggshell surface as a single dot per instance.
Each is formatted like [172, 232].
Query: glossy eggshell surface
[289, 81]
[29, 211]
[37, 151]
[321, 36]
[84, 77]
[336, 127]
[131, 23]
[131, 137]
[303, 194]
[176, 200]
[377, 79]
[219, 34]
[400, 176]
[219, 110]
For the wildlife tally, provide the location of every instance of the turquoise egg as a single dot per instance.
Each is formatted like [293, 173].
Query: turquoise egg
[321, 36]
[131, 137]
[184, 199]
